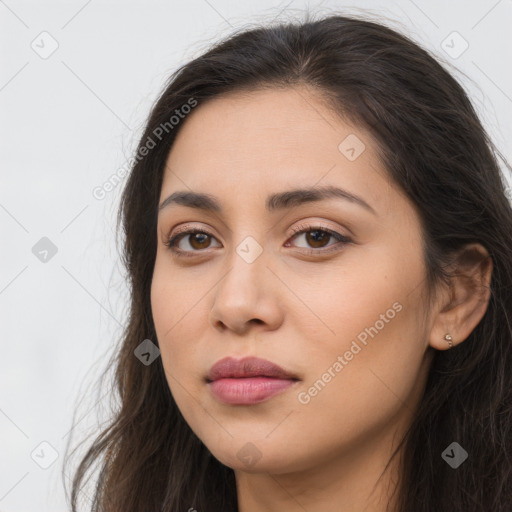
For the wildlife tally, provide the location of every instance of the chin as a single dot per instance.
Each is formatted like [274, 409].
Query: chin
[260, 456]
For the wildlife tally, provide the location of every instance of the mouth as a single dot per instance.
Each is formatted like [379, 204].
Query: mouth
[248, 381]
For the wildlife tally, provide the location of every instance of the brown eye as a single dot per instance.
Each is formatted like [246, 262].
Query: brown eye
[197, 240]
[318, 237]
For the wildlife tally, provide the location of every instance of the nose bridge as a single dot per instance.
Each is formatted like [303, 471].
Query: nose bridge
[247, 269]
[244, 294]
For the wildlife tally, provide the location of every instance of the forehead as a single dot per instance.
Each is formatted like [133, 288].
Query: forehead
[271, 140]
[266, 124]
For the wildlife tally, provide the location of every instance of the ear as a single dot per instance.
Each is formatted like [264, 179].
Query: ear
[460, 308]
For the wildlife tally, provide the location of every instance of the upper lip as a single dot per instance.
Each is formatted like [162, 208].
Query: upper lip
[230, 367]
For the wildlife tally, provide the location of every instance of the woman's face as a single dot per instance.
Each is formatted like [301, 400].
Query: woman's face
[345, 318]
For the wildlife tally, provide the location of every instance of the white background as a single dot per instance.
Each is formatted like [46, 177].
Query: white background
[70, 121]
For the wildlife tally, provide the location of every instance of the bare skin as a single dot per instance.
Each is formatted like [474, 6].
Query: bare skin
[309, 451]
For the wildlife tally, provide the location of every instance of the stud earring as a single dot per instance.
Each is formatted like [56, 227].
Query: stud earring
[448, 339]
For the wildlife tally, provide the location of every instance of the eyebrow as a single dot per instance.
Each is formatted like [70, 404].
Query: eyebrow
[274, 202]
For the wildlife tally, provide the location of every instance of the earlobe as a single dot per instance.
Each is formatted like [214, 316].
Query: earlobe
[460, 311]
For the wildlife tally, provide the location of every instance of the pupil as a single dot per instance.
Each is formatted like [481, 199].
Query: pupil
[200, 238]
[318, 236]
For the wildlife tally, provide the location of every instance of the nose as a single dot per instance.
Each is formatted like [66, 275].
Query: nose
[248, 295]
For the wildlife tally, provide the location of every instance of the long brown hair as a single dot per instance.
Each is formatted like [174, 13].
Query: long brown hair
[437, 151]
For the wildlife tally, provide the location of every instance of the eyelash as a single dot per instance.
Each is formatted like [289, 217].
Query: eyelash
[172, 241]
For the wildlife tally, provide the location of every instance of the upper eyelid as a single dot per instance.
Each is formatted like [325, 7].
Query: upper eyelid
[319, 225]
[315, 223]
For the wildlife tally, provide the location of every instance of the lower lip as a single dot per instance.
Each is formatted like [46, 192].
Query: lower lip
[248, 391]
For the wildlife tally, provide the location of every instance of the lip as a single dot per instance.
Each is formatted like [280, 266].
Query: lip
[247, 381]
[229, 367]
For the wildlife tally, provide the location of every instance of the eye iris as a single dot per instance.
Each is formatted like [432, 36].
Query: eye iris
[320, 236]
[202, 238]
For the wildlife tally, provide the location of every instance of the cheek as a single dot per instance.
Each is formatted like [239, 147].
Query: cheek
[179, 315]
[366, 342]
[363, 298]
[354, 390]
[174, 301]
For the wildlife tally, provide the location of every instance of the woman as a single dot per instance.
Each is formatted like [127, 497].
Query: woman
[319, 249]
